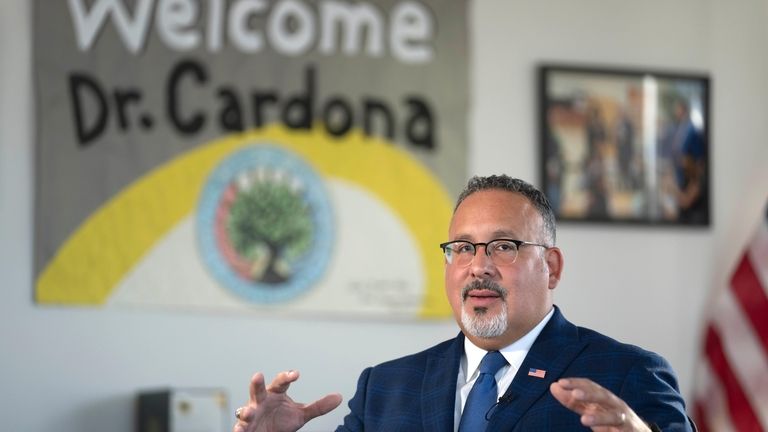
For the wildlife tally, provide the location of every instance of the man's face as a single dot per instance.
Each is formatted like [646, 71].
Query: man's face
[496, 305]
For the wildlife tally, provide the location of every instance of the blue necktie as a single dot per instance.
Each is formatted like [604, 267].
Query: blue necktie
[483, 394]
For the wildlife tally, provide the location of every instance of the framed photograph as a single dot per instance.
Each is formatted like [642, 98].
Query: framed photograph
[625, 146]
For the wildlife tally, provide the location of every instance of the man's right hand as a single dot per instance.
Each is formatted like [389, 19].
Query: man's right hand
[271, 410]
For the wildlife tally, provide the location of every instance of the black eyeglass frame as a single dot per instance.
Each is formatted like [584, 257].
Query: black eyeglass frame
[517, 243]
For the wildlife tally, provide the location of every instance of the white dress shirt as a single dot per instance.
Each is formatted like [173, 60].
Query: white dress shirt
[470, 362]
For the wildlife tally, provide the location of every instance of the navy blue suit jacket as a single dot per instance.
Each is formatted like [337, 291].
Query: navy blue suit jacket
[418, 392]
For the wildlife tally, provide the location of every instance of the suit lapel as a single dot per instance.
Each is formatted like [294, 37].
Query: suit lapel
[552, 352]
[438, 393]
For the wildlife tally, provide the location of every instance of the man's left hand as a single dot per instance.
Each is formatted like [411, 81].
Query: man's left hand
[599, 409]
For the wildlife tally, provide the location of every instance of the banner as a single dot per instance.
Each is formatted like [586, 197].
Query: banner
[732, 380]
[287, 155]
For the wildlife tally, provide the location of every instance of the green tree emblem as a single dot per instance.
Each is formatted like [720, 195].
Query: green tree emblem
[270, 224]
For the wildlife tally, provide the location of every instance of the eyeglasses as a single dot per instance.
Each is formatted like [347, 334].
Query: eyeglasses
[502, 252]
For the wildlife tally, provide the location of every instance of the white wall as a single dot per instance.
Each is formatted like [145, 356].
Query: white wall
[73, 370]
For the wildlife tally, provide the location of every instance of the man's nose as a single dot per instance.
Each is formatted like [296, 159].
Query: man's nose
[482, 264]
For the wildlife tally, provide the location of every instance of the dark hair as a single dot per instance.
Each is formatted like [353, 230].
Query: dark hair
[509, 184]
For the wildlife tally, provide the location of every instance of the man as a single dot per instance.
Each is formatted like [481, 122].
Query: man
[686, 183]
[501, 269]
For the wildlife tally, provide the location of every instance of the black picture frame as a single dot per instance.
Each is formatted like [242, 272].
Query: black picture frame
[625, 145]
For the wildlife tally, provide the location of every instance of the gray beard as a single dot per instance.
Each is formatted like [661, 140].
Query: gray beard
[481, 324]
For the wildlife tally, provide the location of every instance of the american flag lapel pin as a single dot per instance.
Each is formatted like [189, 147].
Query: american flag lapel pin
[538, 373]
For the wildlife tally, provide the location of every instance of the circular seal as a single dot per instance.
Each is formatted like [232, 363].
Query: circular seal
[265, 225]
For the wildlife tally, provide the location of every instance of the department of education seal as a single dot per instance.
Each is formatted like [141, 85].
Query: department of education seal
[265, 224]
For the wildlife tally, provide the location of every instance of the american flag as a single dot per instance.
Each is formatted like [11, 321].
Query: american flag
[731, 389]
[538, 373]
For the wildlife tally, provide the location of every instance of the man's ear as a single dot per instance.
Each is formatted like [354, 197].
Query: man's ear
[554, 259]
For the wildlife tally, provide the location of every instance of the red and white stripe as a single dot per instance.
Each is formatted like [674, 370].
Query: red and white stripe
[731, 391]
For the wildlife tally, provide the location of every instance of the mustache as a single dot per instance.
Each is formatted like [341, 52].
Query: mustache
[483, 284]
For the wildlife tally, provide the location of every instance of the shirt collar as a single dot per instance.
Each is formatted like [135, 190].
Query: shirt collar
[514, 353]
